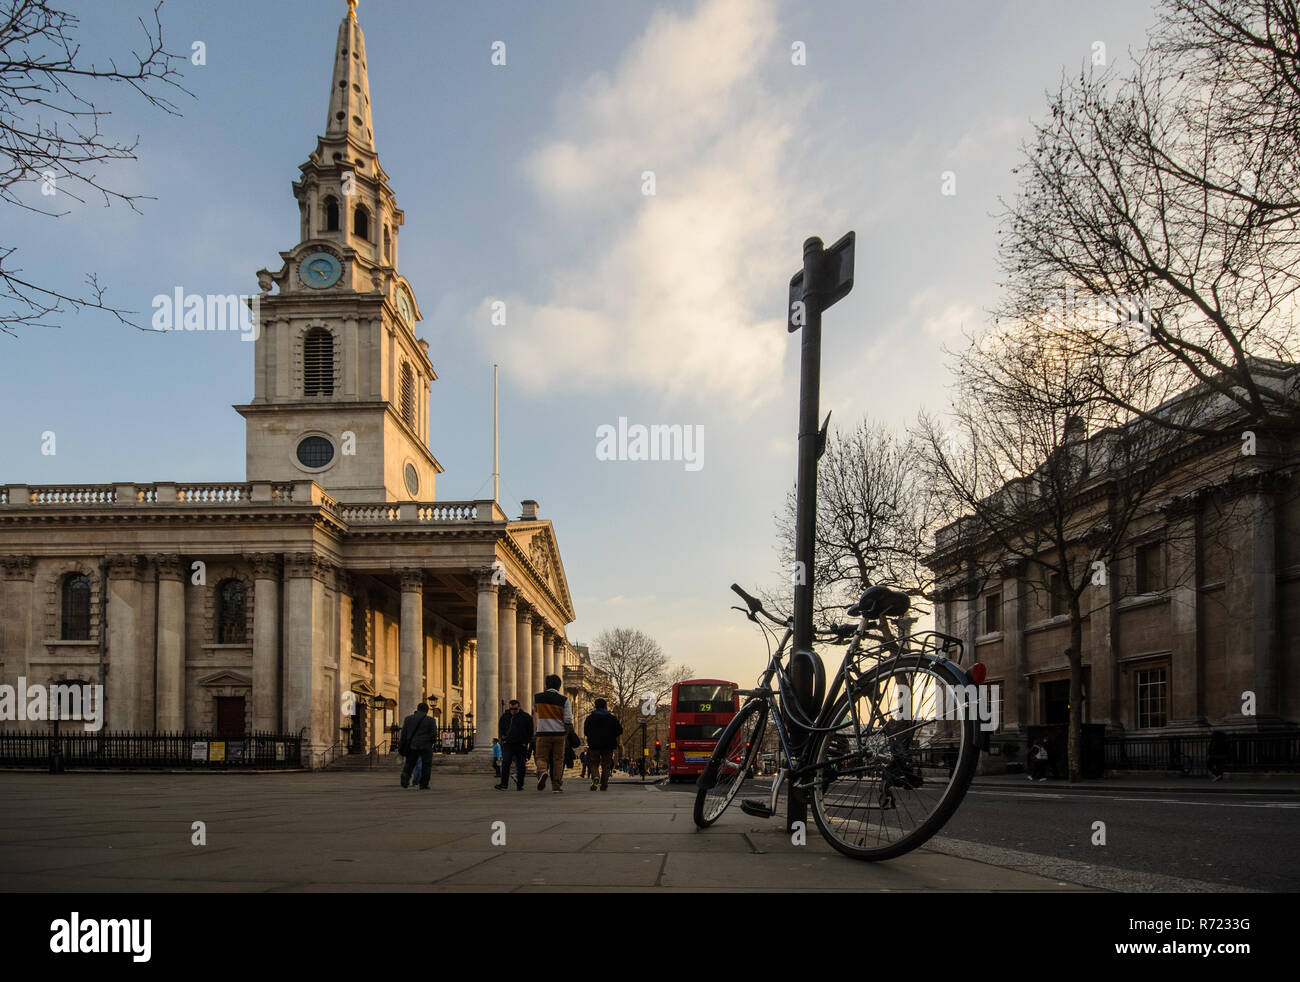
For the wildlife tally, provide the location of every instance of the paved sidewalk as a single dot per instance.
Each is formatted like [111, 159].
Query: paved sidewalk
[360, 831]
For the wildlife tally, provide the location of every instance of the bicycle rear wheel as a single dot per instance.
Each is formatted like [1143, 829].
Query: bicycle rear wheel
[899, 761]
[735, 753]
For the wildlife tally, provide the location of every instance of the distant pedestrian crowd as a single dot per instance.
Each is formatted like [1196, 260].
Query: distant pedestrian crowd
[546, 736]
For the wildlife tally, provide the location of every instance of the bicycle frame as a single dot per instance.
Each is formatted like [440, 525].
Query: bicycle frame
[933, 648]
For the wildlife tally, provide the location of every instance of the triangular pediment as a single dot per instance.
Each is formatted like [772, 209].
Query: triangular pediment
[225, 677]
[536, 540]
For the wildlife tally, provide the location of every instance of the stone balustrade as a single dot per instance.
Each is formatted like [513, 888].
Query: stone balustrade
[255, 493]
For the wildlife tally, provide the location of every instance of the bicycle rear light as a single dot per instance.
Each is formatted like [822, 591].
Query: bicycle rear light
[977, 672]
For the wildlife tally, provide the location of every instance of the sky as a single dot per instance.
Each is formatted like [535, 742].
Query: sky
[755, 123]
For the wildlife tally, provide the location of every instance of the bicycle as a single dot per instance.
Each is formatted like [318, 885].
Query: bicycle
[891, 752]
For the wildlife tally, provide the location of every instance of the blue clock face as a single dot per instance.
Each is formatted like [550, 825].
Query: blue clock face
[404, 307]
[319, 270]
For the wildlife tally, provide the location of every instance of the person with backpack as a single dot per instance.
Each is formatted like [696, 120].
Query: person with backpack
[602, 730]
[416, 744]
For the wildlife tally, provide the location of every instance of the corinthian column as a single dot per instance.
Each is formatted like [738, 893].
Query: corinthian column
[506, 644]
[410, 643]
[266, 642]
[529, 668]
[125, 668]
[170, 708]
[486, 707]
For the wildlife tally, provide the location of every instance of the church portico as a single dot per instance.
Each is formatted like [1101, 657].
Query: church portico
[271, 608]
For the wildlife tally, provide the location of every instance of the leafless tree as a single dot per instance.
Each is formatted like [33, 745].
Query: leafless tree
[1041, 468]
[1168, 199]
[51, 111]
[635, 665]
[875, 514]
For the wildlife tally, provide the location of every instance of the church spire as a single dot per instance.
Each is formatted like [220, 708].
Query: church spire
[349, 114]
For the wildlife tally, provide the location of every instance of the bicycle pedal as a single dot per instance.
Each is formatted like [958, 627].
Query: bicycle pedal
[759, 809]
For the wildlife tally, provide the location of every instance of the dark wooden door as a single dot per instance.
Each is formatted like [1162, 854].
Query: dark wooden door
[1056, 703]
[230, 716]
[357, 733]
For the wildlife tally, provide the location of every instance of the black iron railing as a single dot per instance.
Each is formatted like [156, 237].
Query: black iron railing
[197, 751]
[1256, 752]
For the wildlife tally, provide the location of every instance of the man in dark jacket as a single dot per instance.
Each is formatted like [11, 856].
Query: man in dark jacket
[515, 731]
[418, 731]
[602, 730]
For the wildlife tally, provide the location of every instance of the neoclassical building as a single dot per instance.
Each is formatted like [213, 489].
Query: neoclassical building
[329, 591]
[1195, 628]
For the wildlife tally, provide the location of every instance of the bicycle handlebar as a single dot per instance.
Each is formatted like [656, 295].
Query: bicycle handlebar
[754, 604]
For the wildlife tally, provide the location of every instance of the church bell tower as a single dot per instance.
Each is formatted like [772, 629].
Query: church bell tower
[341, 382]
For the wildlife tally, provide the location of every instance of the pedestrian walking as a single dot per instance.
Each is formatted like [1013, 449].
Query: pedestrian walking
[552, 724]
[1216, 755]
[583, 757]
[516, 730]
[602, 730]
[1038, 757]
[496, 758]
[416, 744]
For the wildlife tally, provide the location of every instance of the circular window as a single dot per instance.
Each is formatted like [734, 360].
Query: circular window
[315, 451]
[412, 480]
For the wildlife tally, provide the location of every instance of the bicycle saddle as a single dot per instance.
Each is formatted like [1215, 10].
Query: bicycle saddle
[880, 601]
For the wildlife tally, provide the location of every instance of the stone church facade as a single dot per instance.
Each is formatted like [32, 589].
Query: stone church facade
[329, 591]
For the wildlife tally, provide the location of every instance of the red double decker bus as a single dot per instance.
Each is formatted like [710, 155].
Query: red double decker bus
[700, 711]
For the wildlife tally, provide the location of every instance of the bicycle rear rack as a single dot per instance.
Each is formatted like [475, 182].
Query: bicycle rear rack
[931, 643]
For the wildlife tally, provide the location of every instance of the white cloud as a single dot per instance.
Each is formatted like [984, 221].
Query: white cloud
[679, 293]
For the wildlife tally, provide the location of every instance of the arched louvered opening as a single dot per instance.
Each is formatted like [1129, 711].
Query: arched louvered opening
[231, 619]
[388, 246]
[318, 363]
[408, 395]
[361, 222]
[331, 215]
[75, 608]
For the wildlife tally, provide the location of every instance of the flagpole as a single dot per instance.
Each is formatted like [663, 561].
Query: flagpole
[496, 470]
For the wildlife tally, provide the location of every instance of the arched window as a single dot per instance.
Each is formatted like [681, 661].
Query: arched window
[75, 608]
[361, 222]
[331, 215]
[408, 395]
[388, 246]
[230, 612]
[318, 363]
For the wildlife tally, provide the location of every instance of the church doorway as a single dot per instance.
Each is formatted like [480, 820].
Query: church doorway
[357, 731]
[230, 716]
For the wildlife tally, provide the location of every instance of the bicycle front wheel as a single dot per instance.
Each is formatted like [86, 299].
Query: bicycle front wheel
[899, 760]
[737, 749]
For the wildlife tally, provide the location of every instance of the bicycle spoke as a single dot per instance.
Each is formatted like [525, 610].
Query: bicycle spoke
[878, 782]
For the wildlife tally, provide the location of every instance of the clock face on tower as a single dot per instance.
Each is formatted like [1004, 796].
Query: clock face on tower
[319, 270]
[404, 307]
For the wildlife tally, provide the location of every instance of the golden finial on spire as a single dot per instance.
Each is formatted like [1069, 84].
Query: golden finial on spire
[352, 9]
